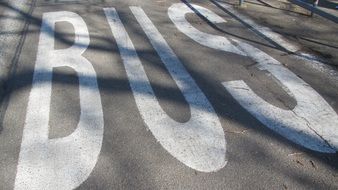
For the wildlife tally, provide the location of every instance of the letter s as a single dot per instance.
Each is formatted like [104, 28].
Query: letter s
[312, 123]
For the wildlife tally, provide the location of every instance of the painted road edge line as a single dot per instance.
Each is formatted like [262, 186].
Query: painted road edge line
[12, 36]
[310, 60]
[12, 26]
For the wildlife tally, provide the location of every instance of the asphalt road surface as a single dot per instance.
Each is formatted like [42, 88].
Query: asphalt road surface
[133, 94]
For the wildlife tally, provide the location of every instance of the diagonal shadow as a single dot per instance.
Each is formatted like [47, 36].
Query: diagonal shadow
[18, 81]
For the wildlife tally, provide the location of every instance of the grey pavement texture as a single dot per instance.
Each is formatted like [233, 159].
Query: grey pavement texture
[316, 34]
[130, 157]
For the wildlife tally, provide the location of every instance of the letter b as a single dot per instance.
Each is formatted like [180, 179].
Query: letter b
[61, 163]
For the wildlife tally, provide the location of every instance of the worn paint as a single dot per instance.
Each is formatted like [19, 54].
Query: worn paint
[61, 163]
[198, 143]
[312, 123]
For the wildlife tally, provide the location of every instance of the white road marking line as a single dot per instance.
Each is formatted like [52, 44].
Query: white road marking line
[62, 163]
[312, 123]
[309, 59]
[198, 143]
[279, 39]
[10, 33]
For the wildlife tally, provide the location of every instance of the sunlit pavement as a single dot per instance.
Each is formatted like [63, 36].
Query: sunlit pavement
[162, 95]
